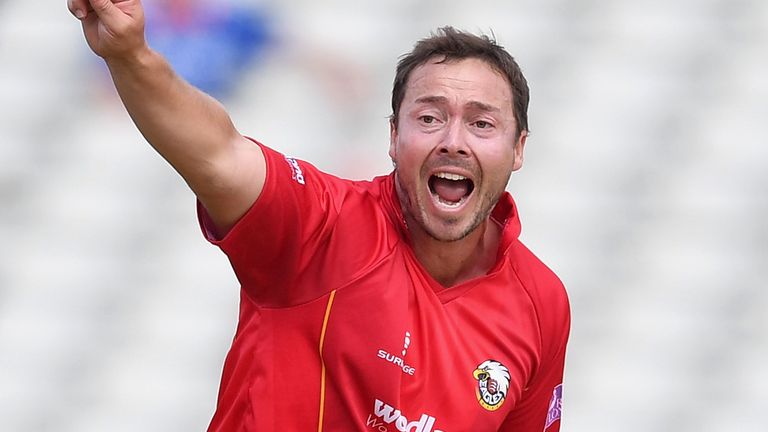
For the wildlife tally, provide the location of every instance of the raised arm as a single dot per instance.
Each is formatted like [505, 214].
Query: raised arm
[190, 129]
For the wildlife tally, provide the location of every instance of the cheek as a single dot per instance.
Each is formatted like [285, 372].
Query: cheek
[411, 151]
[501, 151]
[497, 166]
[496, 157]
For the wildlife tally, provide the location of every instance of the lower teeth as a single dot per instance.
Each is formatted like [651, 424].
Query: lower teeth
[449, 203]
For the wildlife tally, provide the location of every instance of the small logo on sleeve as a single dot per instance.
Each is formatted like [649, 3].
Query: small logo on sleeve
[492, 384]
[298, 175]
[555, 406]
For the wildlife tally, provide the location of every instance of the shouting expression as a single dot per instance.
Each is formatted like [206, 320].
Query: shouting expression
[454, 147]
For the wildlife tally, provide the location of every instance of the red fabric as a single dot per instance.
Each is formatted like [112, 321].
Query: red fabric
[310, 234]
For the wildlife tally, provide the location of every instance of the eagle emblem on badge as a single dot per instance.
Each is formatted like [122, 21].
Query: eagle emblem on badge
[492, 384]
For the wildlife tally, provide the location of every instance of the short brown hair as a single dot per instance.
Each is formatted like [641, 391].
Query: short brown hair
[453, 45]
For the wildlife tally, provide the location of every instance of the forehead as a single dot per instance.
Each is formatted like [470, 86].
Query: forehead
[461, 81]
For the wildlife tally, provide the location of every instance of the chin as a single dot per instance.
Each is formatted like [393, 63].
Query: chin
[449, 231]
[448, 237]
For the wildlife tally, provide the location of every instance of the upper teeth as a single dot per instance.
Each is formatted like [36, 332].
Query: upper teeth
[450, 176]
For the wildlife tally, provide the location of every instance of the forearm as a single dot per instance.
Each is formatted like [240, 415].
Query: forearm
[190, 129]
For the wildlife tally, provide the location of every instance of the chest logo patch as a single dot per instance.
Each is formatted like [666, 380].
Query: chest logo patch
[492, 384]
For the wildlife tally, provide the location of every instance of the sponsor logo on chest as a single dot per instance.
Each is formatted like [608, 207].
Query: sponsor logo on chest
[386, 418]
[396, 359]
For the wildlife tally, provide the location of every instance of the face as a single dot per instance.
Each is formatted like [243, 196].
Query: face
[454, 147]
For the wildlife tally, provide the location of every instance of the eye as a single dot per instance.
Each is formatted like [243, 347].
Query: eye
[427, 119]
[482, 124]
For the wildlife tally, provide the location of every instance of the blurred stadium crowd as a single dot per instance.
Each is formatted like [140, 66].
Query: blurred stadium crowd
[645, 187]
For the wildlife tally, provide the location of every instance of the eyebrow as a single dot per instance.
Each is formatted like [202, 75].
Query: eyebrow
[442, 100]
[480, 106]
[435, 100]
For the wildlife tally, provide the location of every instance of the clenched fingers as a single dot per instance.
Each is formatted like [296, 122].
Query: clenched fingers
[102, 8]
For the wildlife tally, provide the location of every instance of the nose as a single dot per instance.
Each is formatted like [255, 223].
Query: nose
[454, 143]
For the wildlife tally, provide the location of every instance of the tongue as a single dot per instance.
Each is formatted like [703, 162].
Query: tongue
[450, 190]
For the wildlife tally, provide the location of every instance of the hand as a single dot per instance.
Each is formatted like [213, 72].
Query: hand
[112, 28]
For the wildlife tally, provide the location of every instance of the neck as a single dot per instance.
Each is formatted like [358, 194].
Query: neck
[452, 263]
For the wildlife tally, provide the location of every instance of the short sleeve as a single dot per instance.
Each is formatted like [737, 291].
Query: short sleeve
[269, 245]
[540, 407]
[541, 403]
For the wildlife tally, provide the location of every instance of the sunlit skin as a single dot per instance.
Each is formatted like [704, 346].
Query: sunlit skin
[457, 118]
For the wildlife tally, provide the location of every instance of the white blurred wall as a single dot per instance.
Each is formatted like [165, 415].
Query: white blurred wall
[645, 188]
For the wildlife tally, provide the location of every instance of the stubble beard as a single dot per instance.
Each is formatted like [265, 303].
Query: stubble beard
[414, 209]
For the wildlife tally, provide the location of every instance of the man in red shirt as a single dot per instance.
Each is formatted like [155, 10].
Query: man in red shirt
[405, 303]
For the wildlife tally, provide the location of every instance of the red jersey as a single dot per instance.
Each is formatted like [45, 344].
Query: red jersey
[342, 329]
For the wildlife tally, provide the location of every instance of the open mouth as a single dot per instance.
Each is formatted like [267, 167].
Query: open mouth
[450, 190]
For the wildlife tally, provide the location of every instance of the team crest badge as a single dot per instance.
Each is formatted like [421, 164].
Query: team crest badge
[492, 384]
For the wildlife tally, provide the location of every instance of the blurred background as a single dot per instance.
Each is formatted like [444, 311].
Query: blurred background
[645, 188]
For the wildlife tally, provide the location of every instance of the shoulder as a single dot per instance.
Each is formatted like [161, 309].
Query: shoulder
[541, 282]
[547, 293]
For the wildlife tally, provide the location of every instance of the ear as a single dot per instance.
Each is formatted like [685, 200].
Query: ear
[517, 152]
[392, 140]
